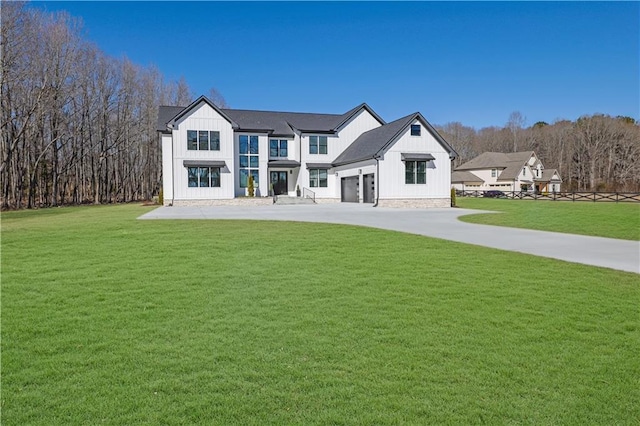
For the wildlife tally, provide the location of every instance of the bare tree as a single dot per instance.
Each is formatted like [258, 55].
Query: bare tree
[77, 126]
[515, 124]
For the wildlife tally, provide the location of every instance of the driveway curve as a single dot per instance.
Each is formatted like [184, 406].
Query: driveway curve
[438, 223]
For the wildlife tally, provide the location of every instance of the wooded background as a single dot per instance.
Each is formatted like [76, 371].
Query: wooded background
[79, 126]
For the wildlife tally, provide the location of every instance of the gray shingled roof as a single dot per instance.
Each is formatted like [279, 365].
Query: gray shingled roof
[165, 114]
[371, 144]
[547, 175]
[283, 123]
[273, 122]
[500, 160]
[461, 177]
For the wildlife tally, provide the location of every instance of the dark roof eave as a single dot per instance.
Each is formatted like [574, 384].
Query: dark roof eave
[344, 163]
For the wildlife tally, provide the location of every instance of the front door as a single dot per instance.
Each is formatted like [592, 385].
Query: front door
[279, 182]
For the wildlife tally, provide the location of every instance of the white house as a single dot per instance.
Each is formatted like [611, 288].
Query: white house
[208, 153]
[515, 171]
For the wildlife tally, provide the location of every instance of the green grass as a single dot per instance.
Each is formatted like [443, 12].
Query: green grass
[612, 220]
[111, 320]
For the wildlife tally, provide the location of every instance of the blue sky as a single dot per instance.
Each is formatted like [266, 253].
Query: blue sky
[473, 62]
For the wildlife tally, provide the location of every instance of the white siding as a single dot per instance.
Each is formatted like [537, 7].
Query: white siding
[359, 169]
[203, 117]
[392, 168]
[167, 168]
[336, 144]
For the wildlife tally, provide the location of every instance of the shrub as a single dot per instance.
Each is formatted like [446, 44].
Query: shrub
[250, 188]
[161, 197]
[453, 197]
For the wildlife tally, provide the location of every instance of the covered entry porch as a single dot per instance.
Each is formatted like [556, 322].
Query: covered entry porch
[283, 175]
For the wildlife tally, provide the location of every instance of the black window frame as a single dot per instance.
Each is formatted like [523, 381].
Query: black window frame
[412, 174]
[211, 173]
[212, 136]
[282, 148]
[318, 178]
[251, 154]
[416, 130]
[316, 143]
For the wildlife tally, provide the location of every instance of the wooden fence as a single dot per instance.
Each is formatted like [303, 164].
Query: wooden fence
[618, 197]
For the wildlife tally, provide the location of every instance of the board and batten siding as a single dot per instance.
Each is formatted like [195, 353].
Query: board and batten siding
[203, 117]
[392, 168]
[167, 168]
[362, 122]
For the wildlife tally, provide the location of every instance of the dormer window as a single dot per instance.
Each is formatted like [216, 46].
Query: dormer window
[415, 130]
[494, 172]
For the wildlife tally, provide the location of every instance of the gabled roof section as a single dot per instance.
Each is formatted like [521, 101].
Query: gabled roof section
[373, 143]
[462, 177]
[353, 112]
[287, 123]
[497, 160]
[547, 176]
[165, 114]
[197, 102]
[275, 123]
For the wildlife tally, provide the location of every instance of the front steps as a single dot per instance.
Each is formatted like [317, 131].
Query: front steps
[286, 200]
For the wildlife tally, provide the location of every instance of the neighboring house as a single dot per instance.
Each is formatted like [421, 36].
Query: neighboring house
[516, 171]
[208, 154]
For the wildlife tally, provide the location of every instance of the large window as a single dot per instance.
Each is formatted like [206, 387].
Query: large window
[203, 140]
[318, 178]
[249, 160]
[415, 172]
[317, 144]
[278, 148]
[204, 177]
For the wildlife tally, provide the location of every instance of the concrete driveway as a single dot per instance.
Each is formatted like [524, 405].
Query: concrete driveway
[438, 223]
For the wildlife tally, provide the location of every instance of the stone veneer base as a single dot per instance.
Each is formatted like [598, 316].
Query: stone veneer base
[416, 203]
[242, 201]
[407, 203]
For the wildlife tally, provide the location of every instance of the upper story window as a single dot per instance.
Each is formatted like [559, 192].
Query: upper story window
[278, 148]
[415, 172]
[203, 140]
[494, 172]
[317, 144]
[415, 130]
[524, 171]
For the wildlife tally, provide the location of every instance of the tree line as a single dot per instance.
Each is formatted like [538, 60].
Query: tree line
[593, 153]
[77, 125]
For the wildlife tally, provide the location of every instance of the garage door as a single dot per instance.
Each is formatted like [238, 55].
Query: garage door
[369, 189]
[350, 189]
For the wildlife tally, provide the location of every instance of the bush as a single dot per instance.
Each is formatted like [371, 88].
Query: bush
[161, 197]
[250, 188]
[453, 197]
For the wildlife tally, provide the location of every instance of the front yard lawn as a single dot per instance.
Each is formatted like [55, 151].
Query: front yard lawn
[602, 219]
[111, 320]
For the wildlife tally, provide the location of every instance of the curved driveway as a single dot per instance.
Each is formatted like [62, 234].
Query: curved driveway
[438, 223]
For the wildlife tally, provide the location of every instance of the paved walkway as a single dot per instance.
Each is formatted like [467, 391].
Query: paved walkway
[439, 223]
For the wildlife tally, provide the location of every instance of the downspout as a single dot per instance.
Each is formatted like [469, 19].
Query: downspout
[377, 181]
[173, 173]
